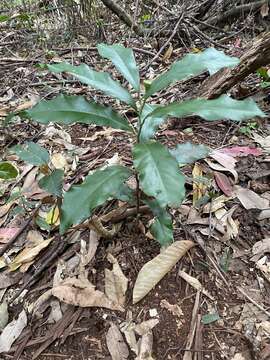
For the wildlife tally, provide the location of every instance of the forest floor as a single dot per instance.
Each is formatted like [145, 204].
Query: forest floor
[229, 319]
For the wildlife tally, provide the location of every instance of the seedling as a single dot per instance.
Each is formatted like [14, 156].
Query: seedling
[160, 183]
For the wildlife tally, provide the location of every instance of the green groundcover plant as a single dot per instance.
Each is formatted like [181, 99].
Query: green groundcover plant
[160, 183]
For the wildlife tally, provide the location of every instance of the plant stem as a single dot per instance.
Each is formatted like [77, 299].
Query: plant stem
[137, 196]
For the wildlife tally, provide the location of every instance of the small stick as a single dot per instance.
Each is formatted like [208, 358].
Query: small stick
[253, 301]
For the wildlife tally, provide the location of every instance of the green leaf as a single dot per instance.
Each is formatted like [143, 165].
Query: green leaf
[150, 123]
[159, 173]
[124, 61]
[96, 79]
[32, 153]
[223, 107]
[192, 65]
[81, 200]
[210, 318]
[162, 227]
[53, 183]
[8, 171]
[188, 153]
[75, 109]
[4, 18]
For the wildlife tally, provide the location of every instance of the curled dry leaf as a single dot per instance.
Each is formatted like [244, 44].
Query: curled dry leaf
[223, 182]
[12, 331]
[195, 283]
[116, 344]
[115, 282]
[153, 271]
[80, 292]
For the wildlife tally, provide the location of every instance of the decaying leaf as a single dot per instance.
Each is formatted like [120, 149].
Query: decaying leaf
[263, 141]
[3, 314]
[153, 271]
[7, 233]
[241, 151]
[27, 255]
[223, 182]
[195, 283]
[249, 199]
[174, 309]
[198, 186]
[216, 204]
[145, 347]
[116, 344]
[80, 292]
[59, 161]
[145, 326]
[260, 248]
[115, 282]
[12, 331]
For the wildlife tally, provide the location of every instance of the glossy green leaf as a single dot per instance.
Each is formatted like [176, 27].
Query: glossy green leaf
[223, 107]
[96, 79]
[188, 153]
[192, 65]
[124, 61]
[53, 183]
[159, 173]
[81, 200]
[162, 227]
[150, 123]
[8, 171]
[75, 109]
[32, 153]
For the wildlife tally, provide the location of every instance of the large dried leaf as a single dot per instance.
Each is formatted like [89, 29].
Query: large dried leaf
[116, 344]
[12, 331]
[80, 292]
[115, 282]
[153, 271]
[249, 199]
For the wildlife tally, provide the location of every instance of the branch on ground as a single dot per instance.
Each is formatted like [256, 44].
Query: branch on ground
[257, 56]
[123, 15]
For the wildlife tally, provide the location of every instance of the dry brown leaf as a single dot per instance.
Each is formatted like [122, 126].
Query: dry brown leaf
[12, 331]
[28, 254]
[145, 326]
[195, 283]
[115, 282]
[145, 347]
[59, 161]
[174, 309]
[198, 187]
[116, 344]
[153, 271]
[80, 292]
[249, 199]
[168, 53]
[216, 204]
[260, 248]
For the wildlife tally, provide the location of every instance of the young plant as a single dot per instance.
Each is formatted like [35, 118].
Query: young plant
[160, 183]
